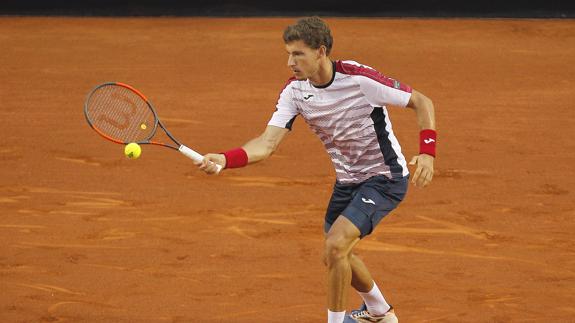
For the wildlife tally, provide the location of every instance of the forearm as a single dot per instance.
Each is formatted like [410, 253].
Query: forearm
[425, 112]
[259, 149]
[264, 145]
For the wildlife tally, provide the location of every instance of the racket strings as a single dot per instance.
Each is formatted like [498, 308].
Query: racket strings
[121, 114]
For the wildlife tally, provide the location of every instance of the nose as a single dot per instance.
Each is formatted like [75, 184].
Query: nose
[290, 61]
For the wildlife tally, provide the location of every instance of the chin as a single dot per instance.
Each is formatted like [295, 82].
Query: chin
[299, 76]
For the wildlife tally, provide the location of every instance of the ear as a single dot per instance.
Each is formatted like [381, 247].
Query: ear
[322, 51]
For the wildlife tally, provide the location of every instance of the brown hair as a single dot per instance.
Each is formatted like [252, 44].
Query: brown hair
[313, 31]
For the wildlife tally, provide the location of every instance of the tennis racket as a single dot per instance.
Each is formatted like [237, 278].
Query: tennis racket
[122, 114]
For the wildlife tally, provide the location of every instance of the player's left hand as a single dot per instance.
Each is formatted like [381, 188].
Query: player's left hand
[424, 172]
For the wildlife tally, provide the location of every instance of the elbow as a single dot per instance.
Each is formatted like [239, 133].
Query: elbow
[419, 101]
[424, 109]
[424, 102]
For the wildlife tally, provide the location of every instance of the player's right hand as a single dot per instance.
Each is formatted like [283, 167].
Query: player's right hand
[208, 165]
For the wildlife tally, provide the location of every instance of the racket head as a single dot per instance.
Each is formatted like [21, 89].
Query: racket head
[120, 113]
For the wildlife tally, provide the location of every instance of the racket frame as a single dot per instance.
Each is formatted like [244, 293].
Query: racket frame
[157, 120]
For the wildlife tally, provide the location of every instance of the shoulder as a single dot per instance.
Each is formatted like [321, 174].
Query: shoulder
[354, 68]
[285, 91]
[364, 72]
[291, 83]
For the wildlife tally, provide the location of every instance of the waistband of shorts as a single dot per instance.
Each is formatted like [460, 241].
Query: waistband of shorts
[397, 177]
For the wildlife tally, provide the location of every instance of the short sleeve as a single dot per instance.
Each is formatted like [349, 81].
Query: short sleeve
[381, 90]
[286, 110]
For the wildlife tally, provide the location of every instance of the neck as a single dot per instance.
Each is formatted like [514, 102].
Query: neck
[324, 73]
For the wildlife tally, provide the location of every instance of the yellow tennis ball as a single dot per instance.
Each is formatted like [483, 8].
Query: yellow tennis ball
[143, 126]
[132, 150]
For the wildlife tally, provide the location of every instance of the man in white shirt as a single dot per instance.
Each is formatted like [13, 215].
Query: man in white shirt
[344, 103]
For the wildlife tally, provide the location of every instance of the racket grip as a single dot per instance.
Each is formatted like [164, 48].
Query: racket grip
[195, 156]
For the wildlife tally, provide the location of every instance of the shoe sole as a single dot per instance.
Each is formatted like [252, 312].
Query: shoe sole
[390, 318]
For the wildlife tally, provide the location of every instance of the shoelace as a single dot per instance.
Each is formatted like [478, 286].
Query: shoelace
[359, 314]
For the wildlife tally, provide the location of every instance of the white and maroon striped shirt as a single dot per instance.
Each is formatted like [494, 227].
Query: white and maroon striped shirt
[349, 116]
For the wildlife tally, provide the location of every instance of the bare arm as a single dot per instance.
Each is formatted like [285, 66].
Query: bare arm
[424, 110]
[264, 145]
[425, 113]
[257, 149]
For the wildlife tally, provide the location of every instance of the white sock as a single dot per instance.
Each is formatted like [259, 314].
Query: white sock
[335, 317]
[376, 304]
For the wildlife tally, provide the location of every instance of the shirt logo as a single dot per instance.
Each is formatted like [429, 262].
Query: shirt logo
[429, 140]
[367, 201]
[307, 96]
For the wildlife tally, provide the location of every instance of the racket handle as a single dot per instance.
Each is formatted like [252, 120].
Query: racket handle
[196, 157]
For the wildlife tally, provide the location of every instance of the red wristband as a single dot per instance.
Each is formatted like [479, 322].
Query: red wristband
[427, 140]
[236, 158]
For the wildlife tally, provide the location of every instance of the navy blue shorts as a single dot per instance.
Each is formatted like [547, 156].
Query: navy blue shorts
[365, 204]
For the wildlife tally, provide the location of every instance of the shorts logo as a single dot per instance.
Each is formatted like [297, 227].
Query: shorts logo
[367, 201]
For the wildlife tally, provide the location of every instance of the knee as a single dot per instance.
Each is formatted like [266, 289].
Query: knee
[336, 250]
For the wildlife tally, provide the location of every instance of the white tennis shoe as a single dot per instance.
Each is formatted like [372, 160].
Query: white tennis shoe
[363, 316]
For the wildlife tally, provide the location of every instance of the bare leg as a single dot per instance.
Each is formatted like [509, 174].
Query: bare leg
[363, 282]
[339, 242]
[361, 279]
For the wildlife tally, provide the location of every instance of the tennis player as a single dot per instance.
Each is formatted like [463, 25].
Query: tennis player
[344, 103]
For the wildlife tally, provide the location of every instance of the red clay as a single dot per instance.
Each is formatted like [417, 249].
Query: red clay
[89, 236]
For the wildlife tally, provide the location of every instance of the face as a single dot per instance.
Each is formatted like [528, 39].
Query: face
[303, 60]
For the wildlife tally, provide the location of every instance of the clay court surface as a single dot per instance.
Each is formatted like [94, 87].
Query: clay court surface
[89, 236]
